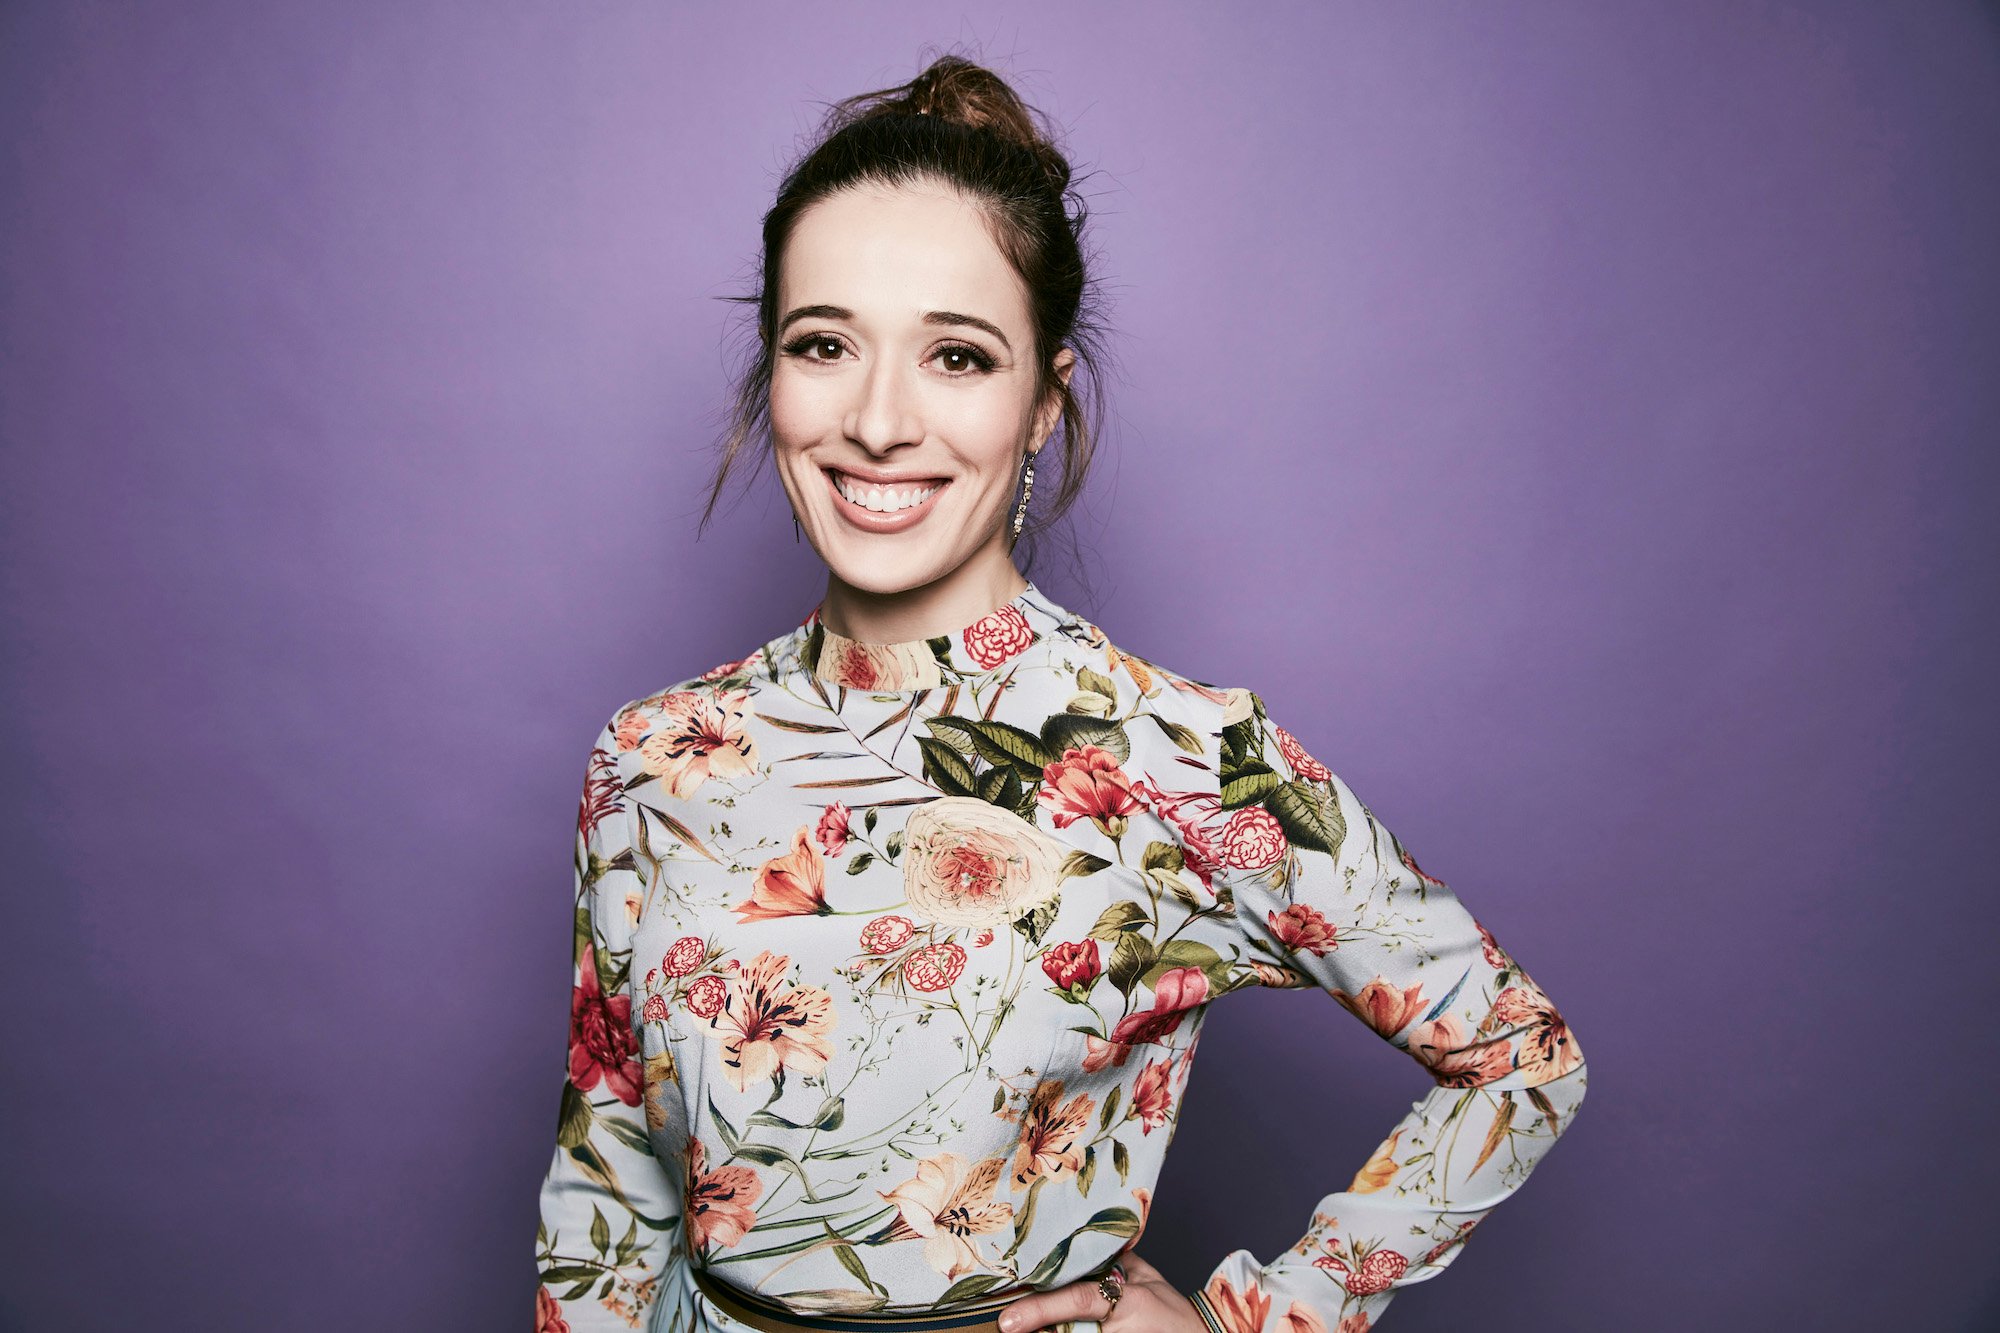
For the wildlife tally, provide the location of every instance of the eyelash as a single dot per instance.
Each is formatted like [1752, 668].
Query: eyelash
[982, 364]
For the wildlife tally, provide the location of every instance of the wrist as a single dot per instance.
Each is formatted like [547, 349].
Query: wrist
[1208, 1319]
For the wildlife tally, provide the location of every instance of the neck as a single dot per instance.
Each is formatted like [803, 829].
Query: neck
[941, 606]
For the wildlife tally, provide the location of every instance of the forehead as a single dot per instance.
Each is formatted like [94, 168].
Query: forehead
[894, 251]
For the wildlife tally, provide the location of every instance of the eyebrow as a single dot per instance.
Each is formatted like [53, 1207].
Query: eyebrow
[946, 317]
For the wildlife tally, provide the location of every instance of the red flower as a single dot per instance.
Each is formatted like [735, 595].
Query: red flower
[886, 934]
[1179, 990]
[548, 1315]
[601, 1045]
[1304, 766]
[935, 966]
[1253, 838]
[1073, 963]
[684, 956]
[1490, 947]
[1302, 927]
[655, 1010]
[600, 792]
[1086, 783]
[994, 638]
[832, 830]
[1378, 1272]
[706, 996]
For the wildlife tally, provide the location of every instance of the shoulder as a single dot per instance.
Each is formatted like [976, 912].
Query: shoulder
[716, 699]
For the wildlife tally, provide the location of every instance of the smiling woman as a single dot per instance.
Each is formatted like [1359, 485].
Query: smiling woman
[932, 1087]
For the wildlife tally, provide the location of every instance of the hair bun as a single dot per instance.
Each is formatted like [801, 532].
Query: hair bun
[960, 92]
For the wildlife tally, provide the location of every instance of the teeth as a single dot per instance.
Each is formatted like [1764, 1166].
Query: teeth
[882, 499]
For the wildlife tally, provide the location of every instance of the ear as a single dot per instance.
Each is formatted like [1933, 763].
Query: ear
[1051, 410]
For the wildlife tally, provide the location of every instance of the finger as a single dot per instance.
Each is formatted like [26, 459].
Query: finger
[1077, 1300]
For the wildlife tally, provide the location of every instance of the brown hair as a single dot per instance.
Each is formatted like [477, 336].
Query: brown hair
[959, 123]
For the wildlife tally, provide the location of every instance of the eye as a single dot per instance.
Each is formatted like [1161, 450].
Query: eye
[810, 346]
[963, 359]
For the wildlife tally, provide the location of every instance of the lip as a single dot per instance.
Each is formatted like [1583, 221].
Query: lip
[867, 519]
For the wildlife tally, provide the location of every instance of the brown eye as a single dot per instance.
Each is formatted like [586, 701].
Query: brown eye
[822, 344]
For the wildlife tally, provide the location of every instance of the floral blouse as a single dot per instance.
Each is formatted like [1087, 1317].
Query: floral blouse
[891, 960]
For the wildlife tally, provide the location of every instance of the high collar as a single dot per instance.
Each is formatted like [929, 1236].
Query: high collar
[1003, 636]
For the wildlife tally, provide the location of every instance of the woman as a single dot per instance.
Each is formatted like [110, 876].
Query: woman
[894, 937]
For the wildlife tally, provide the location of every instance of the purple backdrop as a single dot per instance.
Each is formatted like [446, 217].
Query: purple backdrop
[1615, 387]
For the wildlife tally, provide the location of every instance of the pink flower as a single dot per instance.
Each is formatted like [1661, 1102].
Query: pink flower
[1086, 783]
[1151, 1096]
[1490, 948]
[1410, 863]
[726, 669]
[983, 938]
[935, 966]
[1237, 1312]
[1547, 1048]
[548, 1315]
[886, 934]
[1301, 1319]
[766, 1025]
[994, 638]
[1455, 1060]
[1253, 838]
[1196, 817]
[1378, 1272]
[602, 1048]
[1100, 1054]
[1304, 766]
[719, 1202]
[705, 996]
[1179, 990]
[790, 885]
[1382, 1007]
[832, 830]
[1071, 964]
[655, 1010]
[684, 956]
[698, 737]
[1301, 926]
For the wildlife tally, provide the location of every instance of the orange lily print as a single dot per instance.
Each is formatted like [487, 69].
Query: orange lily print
[765, 1025]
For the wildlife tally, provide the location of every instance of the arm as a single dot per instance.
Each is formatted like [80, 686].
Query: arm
[608, 1205]
[1325, 895]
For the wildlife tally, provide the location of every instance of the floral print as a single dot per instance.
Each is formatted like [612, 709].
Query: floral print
[890, 962]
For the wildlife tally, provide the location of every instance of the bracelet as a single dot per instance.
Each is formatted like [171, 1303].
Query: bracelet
[1207, 1315]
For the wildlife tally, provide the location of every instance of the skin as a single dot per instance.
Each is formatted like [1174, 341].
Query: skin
[882, 389]
[885, 391]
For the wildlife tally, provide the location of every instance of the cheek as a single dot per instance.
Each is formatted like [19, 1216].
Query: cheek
[799, 413]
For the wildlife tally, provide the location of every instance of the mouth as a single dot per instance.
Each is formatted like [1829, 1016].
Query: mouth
[877, 508]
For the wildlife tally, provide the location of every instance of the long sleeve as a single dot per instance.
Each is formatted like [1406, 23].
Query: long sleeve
[609, 1206]
[1325, 895]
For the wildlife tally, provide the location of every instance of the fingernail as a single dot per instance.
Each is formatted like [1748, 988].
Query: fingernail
[1009, 1321]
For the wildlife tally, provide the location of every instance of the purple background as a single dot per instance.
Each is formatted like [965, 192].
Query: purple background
[1577, 421]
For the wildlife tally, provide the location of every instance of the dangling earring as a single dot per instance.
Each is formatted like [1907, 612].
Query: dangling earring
[795, 525]
[1027, 489]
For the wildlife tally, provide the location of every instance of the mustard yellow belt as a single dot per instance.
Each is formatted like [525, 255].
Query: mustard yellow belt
[771, 1318]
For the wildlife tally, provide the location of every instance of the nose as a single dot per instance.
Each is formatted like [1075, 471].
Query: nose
[885, 415]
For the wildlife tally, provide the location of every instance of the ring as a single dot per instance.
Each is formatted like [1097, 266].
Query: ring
[1111, 1286]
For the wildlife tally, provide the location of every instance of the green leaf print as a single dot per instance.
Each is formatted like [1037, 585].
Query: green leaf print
[1131, 956]
[1308, 817]
[573, 1127]
[1073, 731]
[946, 769]
[1249, 785]
[1004, 743]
